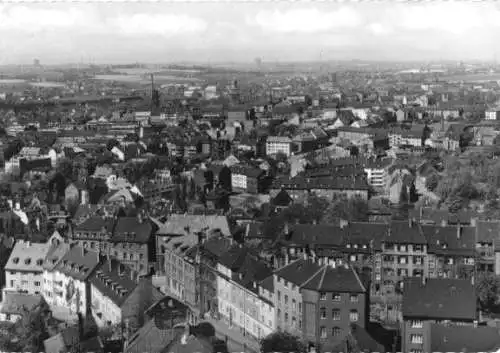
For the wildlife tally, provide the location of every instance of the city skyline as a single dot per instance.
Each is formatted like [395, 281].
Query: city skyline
[213, 32]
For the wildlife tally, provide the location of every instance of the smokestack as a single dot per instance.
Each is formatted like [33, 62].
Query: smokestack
[132, 275]
[459, 231]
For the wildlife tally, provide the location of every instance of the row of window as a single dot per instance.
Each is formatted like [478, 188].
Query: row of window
[353, 315]
[336, 297]
[336, 332]
[23, 283]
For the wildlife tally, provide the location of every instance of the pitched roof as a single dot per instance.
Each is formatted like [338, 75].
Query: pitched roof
[444, 299]
[114, 280]
[335, 279]
[181, 224]
[404, 232]
[464, 338]
[133, 230]
[27, 256]
[96, 224]
[78, 263]
[450, 240]
[16, 303]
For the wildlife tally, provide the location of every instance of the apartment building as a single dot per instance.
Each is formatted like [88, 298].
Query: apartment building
[24, 269]
[239, 303]
[68, 279]
[320, 300]
[119, 295]
[278, 144]
[129, 239]
[435, 301]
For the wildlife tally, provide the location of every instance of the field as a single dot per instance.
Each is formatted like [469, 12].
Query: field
[474, 77]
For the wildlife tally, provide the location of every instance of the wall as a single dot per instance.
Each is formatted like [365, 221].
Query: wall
[284, 288]
[24, 281]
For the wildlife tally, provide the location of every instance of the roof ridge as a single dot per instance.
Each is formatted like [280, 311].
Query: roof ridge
[310, 278]
[320, 284]
[359, 279]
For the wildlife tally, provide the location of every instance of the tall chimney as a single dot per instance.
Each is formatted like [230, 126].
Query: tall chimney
[110, 265]
[459, 231]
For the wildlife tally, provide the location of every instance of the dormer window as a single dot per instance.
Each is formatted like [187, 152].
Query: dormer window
[348, 246]
[27, 261]
[39, 262]
[15, 260]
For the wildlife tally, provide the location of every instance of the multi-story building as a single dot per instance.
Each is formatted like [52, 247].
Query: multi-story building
[431, 301]
[119, 295]
[320, 299]
[69, 278]
[58, 248]
[24, 269]
[278, 144]
[129, 239]
[246, 179]
[239, 273]
[377, 172]
[176, 261]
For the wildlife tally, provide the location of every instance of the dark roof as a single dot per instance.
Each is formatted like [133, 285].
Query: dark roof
[246, 170]
[450, 240]
[96, 224]
[404, 232]
[78, 263]
[131, 229]
[328, 183]
[335, 279]
[114, 280]
[440, 299]
[464, 338]
[282, 199]
[324, 234]
[360, 338]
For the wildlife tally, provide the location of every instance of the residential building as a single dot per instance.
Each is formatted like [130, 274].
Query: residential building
[119, 295]
[70, 340]
[491, 114]
[24, 269]
[320, 298]
[15, 305]
[246, 178]
[435, 301]
[239, 272]
[278, 144]
[68, 279]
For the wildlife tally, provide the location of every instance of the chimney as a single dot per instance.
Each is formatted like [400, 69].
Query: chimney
[83, 197]
[443, 223]
[18, 206]
[423, 280]
[410, 222]
[473, 222]
[132, 275]
[10, 203]
[304, 255]
[110, 265]
[459, 231]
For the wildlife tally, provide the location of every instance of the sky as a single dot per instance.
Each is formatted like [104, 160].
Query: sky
[211, 32]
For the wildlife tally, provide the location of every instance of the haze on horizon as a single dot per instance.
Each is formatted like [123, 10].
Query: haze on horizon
[58, 33]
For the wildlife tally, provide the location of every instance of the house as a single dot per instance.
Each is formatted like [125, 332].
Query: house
[445, 338]
[246, 178]
[426, 302]
[57, 249]
[175, 239]
[377, 172]
[278, 144]
[69, 340]
[159, 331]
[15, 305]
[24, 271]
[322, 299]
[68, 279]
[200, 339]
[492, 114]
[239, 273]
[119, 295]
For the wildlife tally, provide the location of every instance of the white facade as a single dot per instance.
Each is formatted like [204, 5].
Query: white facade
[239, 181]
[242, 307]
[275, 147]
[110, 312]
[377, 177]
[490, 115]
[24, 271]
[55, 291]
[360, 113]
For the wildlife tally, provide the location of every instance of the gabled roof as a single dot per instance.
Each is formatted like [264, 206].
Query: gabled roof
[335, 279]
[27, 256]
[78, 263]
[132, 230]
[440, 299]
[464, 338]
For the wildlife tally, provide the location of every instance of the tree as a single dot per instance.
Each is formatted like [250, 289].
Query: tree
[112, 143]
[487, 289]
[281, 341]
[431, 182]
[349, 209]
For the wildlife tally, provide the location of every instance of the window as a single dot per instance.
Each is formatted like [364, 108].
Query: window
[279, 312]
[336, 331]
[402, 248]
[322, 296]
[294, 304]
[279, 296]
[416, 324]
[7, 317]
[286, 299]
[322, 313]
[354, 298]
[417, 339]
[300, 307]
[335, 314]
[37, 284]
[353, 316]
[286, 318]
[322, 331]
[402, 260]
[352, 258]
[416, 351]
[336, 297]
[286, 283]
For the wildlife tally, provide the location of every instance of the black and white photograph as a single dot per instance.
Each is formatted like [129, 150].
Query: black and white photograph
[249, 176]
